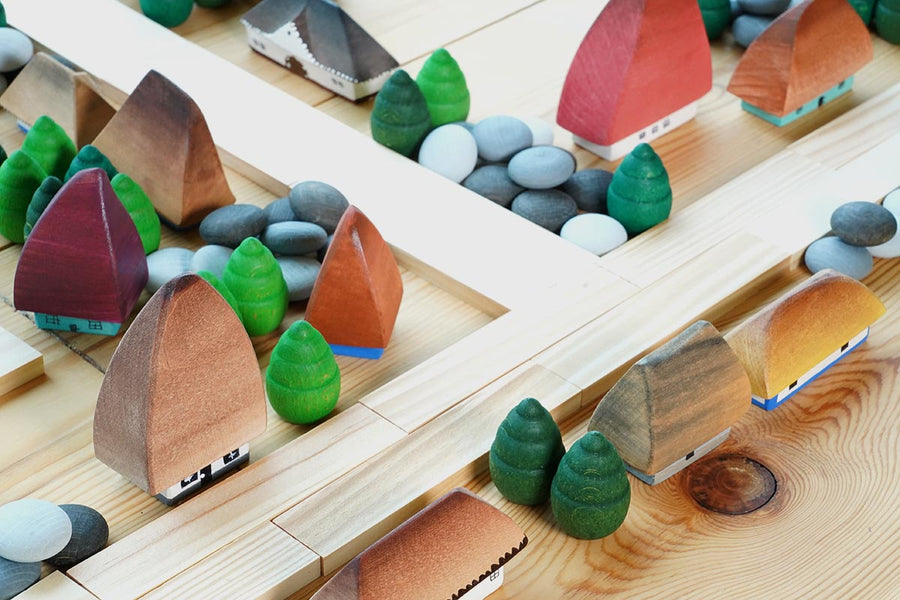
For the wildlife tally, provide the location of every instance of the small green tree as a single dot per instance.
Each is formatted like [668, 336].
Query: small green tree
[887, 20]
[444, 86]
[39, 202]
[20, 177]
[50, 146]
[141, 210]
[89, 157]
[639, 194]
[716, 16]
[254, 277]
[400, 118]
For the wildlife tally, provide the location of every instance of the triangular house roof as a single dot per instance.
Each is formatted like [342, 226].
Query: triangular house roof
[808, 50]
[640, 61]
[84, 258]
[183, 388]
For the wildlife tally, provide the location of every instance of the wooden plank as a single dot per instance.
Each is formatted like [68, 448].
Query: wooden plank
[56, 586]
[19, 362]
[263, 564]
[347, 516]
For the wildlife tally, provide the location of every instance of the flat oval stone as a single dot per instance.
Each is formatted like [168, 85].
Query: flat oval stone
[300, 274]
[90, 532]
[588, 189]
[230, 225]
[493, 182]
[547, 208]
[832, 253]
[32, 530]
[211, 258]
[294, 238]
[598, 234]
[863, 223]
[891, 248]
[541, 131]
[449, 150]
[16, 49]
[541, 167]
[892, 202]
[279, 211]
[771, 8]
[499, 137]
[166, 264]
[319, 203]
[747, 28]
[16, 577]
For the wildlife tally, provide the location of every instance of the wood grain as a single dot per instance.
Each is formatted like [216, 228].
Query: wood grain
[19, 362]
[56, 586]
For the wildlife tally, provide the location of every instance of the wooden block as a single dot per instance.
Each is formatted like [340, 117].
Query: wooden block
[83, 266]
[263, 564]
[56, 586]
[318, 39]
[357, 294]
[19, 362]
[673, 401]
[468, 537]
[47, 87]
[183, 395]
[806, 58]
[160, 138]
[638, 74]
[795, 338]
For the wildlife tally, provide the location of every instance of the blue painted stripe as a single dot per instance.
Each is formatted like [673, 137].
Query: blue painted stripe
[357, 351]
[835, 92]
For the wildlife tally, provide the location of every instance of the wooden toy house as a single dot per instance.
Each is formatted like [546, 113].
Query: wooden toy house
[456, 547]
[806, 58]
[674, 405]
[798, 337]
[160, 138]
[47, 87]
[357, 294]
[638, 74]
[316, 38]
[183, 394]
[82, 267]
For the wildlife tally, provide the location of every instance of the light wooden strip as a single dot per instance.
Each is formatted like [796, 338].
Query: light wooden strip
[192, 531]
[345, 517]
[263, 564]
[56, 586]
[19, 362]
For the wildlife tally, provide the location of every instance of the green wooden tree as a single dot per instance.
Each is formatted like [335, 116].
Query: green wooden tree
[220, 287]
[590, 493]
[50, 146]
[39, 202]
[2, 16]
[887, 20]
[141, 210]
[303, 381]
[526, 453]
[168, 13]
[254, 277]
[89, 157]
[639, 194]
[400, 118]
[20, 177]
[212, 3]
[716, 16]
[444, 86]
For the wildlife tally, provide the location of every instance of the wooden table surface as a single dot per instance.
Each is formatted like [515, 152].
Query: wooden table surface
[830, 529]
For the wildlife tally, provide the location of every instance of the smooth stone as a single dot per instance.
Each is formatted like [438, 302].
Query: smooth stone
[541, 131]
[166, 264]
[294, 238]
[500, 137]
[596, 233]
[16, 49]
[832, 253]
[16, 577]
[588, 189]
[767, 8]
[863, 224]
[493, 182]
[449, 150]
[891, 248]
[90, 532]
[211, 258]
[747, 28]
[279, 211]
[319, 203]
[736, 9]
[32, 530]
[547, 208]
[892, 202]
[300, 275]
[230, 225]
[466, 125]
[541, 167]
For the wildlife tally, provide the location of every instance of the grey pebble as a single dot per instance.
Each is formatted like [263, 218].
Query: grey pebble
[547, 208]
[747, 28]
[300, 275]
[736, 10]
[493, 182]
[499, 137]
[90, 532]
[279, 211]
[766, 8]
[16, 49]
[541, 167]
[319, 203]
[294, 238]
[832, 253]
[231, 225]
[211, 258]
[165, 264]
[588, 189]
[863, 223]
[16, 577]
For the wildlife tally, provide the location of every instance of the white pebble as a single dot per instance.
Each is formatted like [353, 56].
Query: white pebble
[15, 49]
[596, 233]
[541, 131]
[32, 530]
[451, 151]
